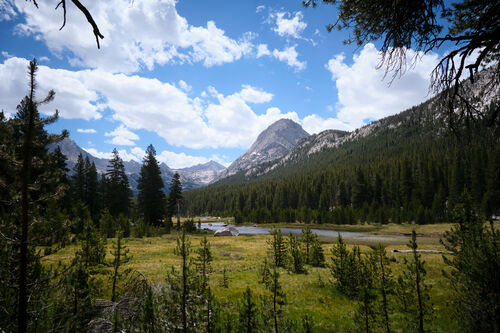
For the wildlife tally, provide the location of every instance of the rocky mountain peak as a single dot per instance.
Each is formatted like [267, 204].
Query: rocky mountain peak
[274, 142]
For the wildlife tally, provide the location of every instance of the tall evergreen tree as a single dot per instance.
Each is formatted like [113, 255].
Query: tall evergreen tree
[277, 248]
[385, 285]
[413, 292]
[175, 198]
[248, 313]
[306, 238]
[317, 253]
[117, 187]
[91, 189]
[295, 256]
[475, 263]
[33, 183]
[78, 180]
[203, 263]
[150, 199]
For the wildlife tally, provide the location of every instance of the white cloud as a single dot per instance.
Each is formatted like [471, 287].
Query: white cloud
[288, 25]
[289, 55]
[173, 160]
[137, 103]
[262, 50]
[137, 34]
[74, 99]
[184, 86]
[122, 136]
[44, 59]
[95, 153]
[314, 124]
[7, 10]
[180, 160]
[138, 153]
[6, 55]
[134, 154]
[254, 95]
[363, 93]
[260, 8]
[86, 130]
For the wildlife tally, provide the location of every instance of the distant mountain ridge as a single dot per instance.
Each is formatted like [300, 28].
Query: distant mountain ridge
[191, 177]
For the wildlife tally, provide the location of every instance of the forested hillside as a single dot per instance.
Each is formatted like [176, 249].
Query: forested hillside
[407, 167]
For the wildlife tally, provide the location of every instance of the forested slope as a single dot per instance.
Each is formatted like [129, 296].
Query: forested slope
[407, 167]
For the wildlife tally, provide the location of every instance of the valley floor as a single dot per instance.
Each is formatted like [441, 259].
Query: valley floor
[311, 293]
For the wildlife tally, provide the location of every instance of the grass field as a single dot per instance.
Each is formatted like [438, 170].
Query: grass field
[311, 293]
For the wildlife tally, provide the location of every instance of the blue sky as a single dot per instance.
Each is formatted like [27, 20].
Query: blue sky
[197, 79]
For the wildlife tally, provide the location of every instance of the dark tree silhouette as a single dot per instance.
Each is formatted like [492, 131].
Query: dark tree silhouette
[85, 11]
[474, 27]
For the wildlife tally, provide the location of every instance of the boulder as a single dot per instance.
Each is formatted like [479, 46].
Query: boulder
[229, 231]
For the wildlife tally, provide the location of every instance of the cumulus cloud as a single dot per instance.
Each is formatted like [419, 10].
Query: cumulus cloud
[290, 55]
[211, 120]
[74, 99]
[86, 130]
[260, 8]
[122, 136]
[182, 160]
[94, 152]
[172, 159]
[262, 50]
[288, 25]
[314, 124]
[135, 102]
[254, 95]
[364, 93]
[184, 86]
[137, 34]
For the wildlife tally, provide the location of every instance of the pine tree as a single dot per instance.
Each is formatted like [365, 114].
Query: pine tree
[345, 267]
[117, 187]
[150, 198]
[317, 254]
[203, 262]
[295, 255]
[265, 272]
[413, 292]
[175, 198]
[32, 181]
[367, 296]
[277, 248]
[474, 263]
[182, 301]
[306, 238]
[78, 179]
[120, 257]
[107, 224]
[148, 314]
[225, 280]
[76, 298]
[210, 311]
[92, 245]
[91, 189]
[247, 313]
[278, 298]
[385, 285]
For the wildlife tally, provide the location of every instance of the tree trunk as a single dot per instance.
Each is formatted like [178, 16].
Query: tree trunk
[25, 174]
[384, 295]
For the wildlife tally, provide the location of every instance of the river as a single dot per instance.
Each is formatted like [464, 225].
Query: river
[364, 237]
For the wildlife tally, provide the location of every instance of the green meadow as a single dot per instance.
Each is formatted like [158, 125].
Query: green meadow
[312, 293]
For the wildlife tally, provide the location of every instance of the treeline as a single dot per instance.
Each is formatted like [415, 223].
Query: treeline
[398, 175]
